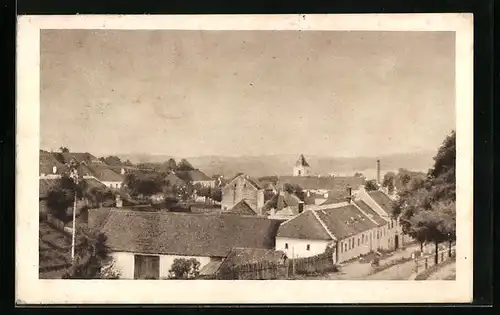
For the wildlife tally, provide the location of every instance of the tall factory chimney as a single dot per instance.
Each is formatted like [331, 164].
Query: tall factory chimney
[378, 172]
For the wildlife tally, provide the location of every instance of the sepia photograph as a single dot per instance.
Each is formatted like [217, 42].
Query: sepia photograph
[207, 154]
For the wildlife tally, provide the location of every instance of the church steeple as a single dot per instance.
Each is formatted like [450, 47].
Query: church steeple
[301, 167]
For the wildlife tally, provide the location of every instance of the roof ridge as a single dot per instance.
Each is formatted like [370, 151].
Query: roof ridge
[323, 225]
[365, 214]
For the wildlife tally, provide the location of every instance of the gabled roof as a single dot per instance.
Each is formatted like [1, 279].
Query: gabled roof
[341, 222]
[323, 182]
[287, 200]
[197, 175]
[187, 234]
[383, 200]
[302, 161]
[242, 256]
[79, 156]
[303, 226]
[370, 212]
[345, 221]
[242, 207]
[173, 179]
[336, 196]
[104, 173]
[48, 161]
[254, 182]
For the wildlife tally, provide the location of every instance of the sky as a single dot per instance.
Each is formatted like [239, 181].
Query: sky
[236, 93]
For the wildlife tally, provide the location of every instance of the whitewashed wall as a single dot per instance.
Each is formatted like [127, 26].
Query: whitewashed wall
[298, 247]
[124, 263]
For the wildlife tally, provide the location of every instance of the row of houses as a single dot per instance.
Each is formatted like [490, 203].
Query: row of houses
[145, 244]
[54, 164]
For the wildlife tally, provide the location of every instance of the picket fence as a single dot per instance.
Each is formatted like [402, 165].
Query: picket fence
[271, 270]
[427, 261]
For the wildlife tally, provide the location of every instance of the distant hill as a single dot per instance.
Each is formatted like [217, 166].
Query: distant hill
[258, 166]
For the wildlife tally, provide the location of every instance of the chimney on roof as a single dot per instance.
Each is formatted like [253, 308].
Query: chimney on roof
[349, 193]
[119, 202]
[378, 172]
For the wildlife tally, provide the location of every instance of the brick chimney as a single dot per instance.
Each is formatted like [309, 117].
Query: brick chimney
[301, 207]
[349, 194]
[378, 172]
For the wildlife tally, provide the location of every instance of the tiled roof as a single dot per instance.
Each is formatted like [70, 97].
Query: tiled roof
[241, 256]
[254, 182]
[302, 161]
[210, 268]
[303, 226]
[185, 234]
[46, 185]
[48, 161]
[173, 179]
[79, 156]
[336, 196]
[345, 221]
[370, 212]
[242, 207]
[197, 175]
[323, 182]
[104, 173]
[341, 222]
[383, 200]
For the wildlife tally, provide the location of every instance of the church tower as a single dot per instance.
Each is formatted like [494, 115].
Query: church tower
[301, 167]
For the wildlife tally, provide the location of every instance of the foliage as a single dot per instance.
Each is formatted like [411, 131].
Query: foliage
[184, 268]
[92, 259]
[427, 203]
[112, 160]
[294, 189]
[389, 181]
[358, 174]
[64, 149]
[371, 185]
[144, 184]
[216, 194]
[184, 165]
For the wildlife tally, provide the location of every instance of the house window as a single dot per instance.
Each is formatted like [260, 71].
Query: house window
[308, 247]
[146, 267]
[286, 245]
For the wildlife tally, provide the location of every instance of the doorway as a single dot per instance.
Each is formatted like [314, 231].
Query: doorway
[396, 241]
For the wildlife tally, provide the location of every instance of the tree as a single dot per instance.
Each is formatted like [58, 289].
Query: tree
[389, 181]
[92, 257]
[184, 268]
[59, 200]
[112, 160]
[427, 203]
[216, 194]
[171, 164]
[64, 149]
[294, 189]
[371, 185]
[358, 174]
[184, 165]
[143, 184]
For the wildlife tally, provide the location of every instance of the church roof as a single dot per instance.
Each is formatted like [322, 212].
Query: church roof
[301, 161]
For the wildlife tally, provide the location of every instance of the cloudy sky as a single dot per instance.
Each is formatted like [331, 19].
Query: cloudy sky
[193, 93]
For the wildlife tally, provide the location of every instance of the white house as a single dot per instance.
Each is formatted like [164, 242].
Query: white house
[351, 228]
[145, 244]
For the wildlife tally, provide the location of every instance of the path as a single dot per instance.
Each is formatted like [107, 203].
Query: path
[447, 272]
[397, 272]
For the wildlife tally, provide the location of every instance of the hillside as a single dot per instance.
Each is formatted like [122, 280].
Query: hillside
[282, 164]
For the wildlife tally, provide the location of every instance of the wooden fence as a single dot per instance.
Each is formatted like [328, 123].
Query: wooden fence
[426, 262]
[270, 270]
